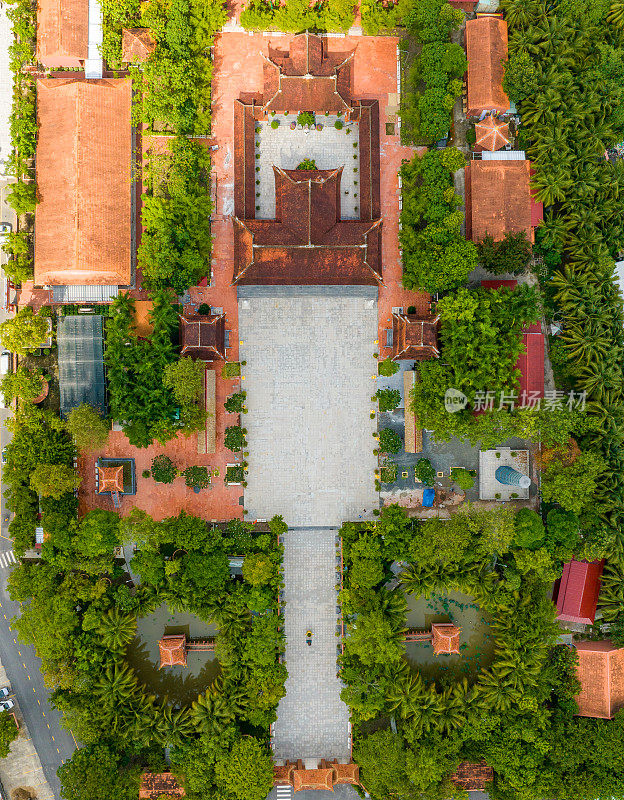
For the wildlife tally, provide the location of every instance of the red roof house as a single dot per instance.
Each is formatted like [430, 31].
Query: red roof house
[498, 199]
[576, 592]
[172, 651]
[203, 337]
[472, 775]
[313, 779]
[308, 243]
[601, 673]
[84, 180]
[445, 638]
[414, 338]
[486, 50]
[157, 784]
[62, 33]
[287, 84]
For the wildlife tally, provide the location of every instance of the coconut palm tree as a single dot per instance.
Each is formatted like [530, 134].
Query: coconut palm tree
[117, 683]
[615, 16]
[117, 629]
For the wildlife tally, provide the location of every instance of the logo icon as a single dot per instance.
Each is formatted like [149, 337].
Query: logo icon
[454, 400]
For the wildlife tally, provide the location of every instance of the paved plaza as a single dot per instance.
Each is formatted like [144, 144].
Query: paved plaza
[308, 381]
[329, 148]
[312, 721]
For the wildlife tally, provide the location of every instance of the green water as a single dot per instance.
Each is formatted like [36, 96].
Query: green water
[181, 684]
[476, 638]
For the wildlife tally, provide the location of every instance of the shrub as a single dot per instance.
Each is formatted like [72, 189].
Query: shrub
[235, 438]
[196, 477]
[512, 254]
[205, 309]
[462, 478]
[305, 118]
[338, 125]
[235, 402]
[389, 399]
[307, 164]
[425, 472]
[235, 474]
[387, 367]
[163, 469]
[231, 369]
[54, 480]
[89, 430]
[274, 124]
[389, 441]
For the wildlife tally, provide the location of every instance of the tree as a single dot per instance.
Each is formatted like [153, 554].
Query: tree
[163, 469]
[196, 476]
[24, 332]
[235, 438]
[186, 379]
[425, 473]
[246, 772]
[24, 384]
[22, 197]
[462, 478]
[511, 254]
[381, 757]
[521, 78]
[258, 569]
[89, 430]
[97, 534]
[530, 531]
[387, 367]
[96, 773]
[235, 403]
[8, 733]
[563, 534]
[572, 485]
[54, 480]
[116, 629]
[389, 441]
[389, 399]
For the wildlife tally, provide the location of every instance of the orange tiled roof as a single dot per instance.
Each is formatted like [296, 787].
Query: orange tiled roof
[313, 779]
[346, 773]
[492, 133]
[111, 479]
[486, 50]
[153, 785]
[414, 337]
[82, 222]
[472, 775]
[445, 638]
[172, 651]
[62, 32]
[137, 45]
[498, 199]
[601, 673]
[203, 337]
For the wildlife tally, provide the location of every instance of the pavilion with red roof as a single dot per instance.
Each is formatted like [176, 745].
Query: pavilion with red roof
[576, 592]
[445, 638]
[172, 651]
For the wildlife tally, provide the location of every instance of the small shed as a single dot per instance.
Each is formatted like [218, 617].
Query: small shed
[81, 362]
[414, 338]
[156, 784]
[576, 592]
[473, 775]
[492, 133]
[203, 337]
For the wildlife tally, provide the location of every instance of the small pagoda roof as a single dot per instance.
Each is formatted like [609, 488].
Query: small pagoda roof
[346, 773]
[313, 779]
[445, 638]
[600, 671]
[203, 336]
[111, 479]
[414, 338]
[492, 133]
[137, 45]
[172, 651]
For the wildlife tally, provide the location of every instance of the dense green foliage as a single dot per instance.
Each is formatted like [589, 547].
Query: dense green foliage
[296, 16]
[23, 384]
[8, 733]
[511, 254]
[163, 469]
[389, 399]
[138, 394]
[389, 441]
[89, 430]
[435, 254]
[24, 332]
[516, 713]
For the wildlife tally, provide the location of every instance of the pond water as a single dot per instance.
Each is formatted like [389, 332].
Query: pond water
[180, 684]
[476, 638]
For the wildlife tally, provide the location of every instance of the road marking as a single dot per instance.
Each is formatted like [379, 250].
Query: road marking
[24, 665]
[59, 752]
[7, 559]
[19, 652]
[28, 676]
[43, 712]
[48, 724]
[38, 701]
[53, 738]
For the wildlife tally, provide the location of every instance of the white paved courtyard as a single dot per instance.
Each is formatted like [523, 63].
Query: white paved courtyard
[308, 383]
[329, 148]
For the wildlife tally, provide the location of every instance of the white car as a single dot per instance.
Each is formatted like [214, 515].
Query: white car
[6, 363]
[6, 705]
[5, 691]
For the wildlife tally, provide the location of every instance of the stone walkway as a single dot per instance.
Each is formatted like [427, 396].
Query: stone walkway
[312, 721]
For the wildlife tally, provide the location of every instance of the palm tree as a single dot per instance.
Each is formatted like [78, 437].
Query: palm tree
[116, 629]
[172, 725]
[117, 683]
[616, 14]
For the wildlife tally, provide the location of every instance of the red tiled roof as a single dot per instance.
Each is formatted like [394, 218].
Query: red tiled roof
[414, 338]
[531, 363]
[346, 773]
[576, 592]
[62, 32]
[111, 479]
[492, 133]
[308, 243]
[496, 283]
[601, 673]
[445, 638]
[172, 651]
[287, 86]
[472, 775]
[498, 199]
[203, 337]
[153, 785]
[313, 779]
[283, 774]
[486, 50]
[137, 45]
[82, 222]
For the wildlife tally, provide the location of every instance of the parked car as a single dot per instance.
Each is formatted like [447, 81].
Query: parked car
[6, 363]
[6, 705]
[5, 691]
[3, 452]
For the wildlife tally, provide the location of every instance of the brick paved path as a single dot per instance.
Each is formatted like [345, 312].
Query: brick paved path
[312, 720]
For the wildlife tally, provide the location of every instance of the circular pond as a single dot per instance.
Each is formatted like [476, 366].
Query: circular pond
[181, 684]
[476, 638]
